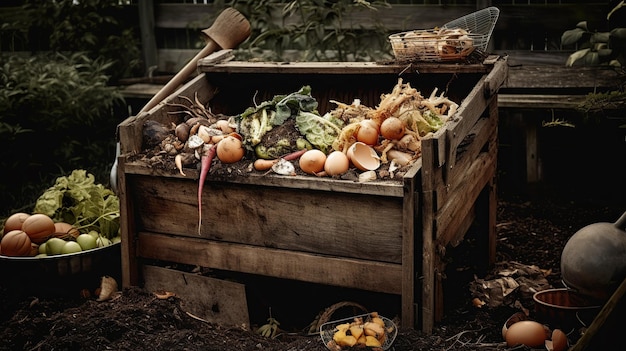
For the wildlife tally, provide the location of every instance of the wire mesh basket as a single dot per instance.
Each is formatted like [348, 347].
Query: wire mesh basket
[328, 330]
[454, 41]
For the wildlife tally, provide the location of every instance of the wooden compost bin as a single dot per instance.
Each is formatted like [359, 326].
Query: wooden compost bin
[381, 236]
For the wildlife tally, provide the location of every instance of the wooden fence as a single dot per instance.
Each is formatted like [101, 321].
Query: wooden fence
[171, 30]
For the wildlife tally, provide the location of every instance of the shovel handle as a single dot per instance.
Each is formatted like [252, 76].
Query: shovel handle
[181, 76]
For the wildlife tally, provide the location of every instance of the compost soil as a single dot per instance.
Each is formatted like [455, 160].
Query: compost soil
[529, 233]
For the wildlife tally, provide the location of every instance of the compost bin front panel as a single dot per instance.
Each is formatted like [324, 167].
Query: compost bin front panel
[326, 222]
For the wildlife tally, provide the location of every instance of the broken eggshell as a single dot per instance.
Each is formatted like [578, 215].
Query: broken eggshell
[363, 157]
[558, 342]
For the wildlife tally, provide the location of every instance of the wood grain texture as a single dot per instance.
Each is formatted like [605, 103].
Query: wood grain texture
[328, 270]
[334, 223]
[213, 300]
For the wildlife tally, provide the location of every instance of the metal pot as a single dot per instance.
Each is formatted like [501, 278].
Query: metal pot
[593, 261]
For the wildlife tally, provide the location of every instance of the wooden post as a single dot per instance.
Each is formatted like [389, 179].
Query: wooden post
[148, 41]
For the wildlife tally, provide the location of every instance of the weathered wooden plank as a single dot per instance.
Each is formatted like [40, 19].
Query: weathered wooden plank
[560, 77]
[214, 300]
[388, 188]
[130, 130]
[129, 264]
[533, 167]
[339, 68]
[410, 251]
[469, 111]
[449, 180]
[328, 270]
[335, 223]
[450, 217]
[540, 101]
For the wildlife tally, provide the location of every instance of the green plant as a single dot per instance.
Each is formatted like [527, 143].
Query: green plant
[597, 47]
[56, 114]
[315, 30]
[98, 28]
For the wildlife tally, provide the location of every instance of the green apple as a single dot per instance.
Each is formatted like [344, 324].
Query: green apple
[86, 242]
[54, 246]
[102, 241]
[42, 248]
[70, 247]
[94, 233]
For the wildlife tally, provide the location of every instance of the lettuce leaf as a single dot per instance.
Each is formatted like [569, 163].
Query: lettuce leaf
[78, 200]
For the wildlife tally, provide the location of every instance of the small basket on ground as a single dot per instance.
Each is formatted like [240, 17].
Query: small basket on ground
[454, 41]
[328, 329]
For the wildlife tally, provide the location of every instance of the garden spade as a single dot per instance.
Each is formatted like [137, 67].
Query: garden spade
[230, 29]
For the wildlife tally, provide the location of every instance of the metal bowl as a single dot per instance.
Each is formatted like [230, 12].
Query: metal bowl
[61, 274]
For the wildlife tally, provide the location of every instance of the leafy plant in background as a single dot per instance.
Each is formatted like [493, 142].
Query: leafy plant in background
[56, 115]
[316, 30]
[98, 28]
[600, 48]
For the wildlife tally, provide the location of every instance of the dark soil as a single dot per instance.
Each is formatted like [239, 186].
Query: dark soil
[529, 233]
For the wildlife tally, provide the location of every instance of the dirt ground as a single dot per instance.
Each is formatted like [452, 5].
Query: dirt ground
[530, 233]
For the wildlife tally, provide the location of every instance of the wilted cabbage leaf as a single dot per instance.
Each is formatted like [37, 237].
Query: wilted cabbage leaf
[320, 131]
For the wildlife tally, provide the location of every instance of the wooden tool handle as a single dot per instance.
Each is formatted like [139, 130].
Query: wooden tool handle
[180, 77]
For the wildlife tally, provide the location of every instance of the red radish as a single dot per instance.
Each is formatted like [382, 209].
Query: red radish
[294, 155]
[206, 160]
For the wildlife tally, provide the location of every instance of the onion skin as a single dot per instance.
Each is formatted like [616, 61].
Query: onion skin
[368, 132]
[230, 150]
[392, 128]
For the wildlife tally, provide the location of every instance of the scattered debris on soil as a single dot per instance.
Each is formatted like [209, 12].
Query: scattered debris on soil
[531, 235]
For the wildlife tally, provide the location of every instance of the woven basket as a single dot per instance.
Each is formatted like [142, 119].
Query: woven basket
[454, 41]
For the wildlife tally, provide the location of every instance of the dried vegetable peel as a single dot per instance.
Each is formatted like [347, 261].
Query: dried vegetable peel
[418, 116]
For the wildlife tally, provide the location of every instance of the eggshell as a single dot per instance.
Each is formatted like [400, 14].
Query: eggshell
[336, 163]
[559, 340]
[529, 333]
[39, 227]
[363, 157]
[15, 221]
